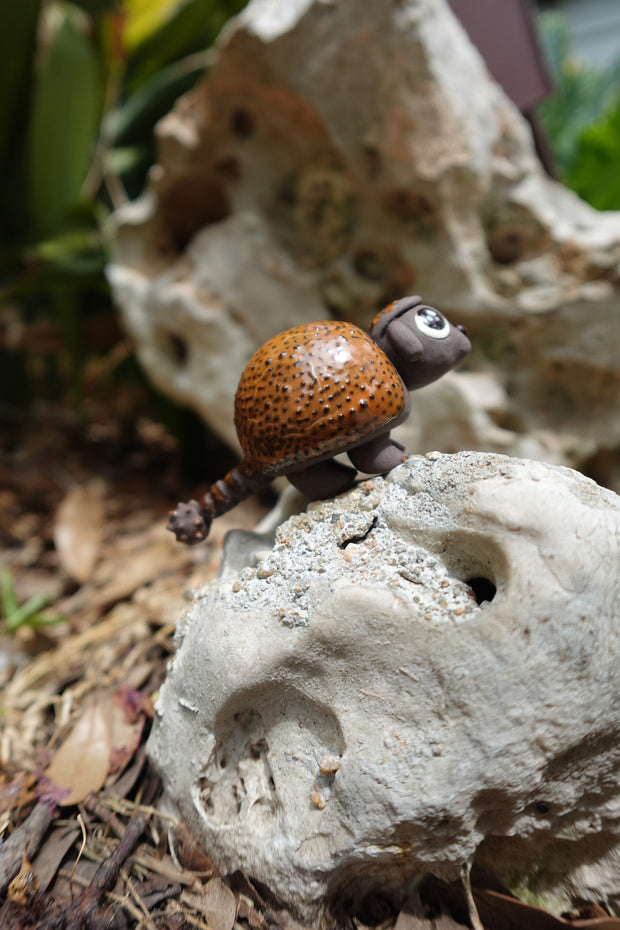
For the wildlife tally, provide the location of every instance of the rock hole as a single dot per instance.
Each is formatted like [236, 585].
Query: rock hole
[223, 762]
[242, 123]
[177, 348]
[189, 204]
[507, 245]
[483, 588]
[229, 168]
[368, 265]
[258, 749]
[410, 206]
[372, 157]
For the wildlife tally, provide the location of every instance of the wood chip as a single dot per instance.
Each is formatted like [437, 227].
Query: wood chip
[53, 851]
[24, 839]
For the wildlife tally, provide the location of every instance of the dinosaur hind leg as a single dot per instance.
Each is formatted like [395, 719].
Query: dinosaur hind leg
[323, 479]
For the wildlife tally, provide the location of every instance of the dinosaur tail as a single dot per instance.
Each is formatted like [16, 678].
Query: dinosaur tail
[191, 521]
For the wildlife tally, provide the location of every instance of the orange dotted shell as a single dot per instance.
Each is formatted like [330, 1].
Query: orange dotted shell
[311, 392]
[382, 313]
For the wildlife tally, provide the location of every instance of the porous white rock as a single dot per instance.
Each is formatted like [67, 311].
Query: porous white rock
[421, 672]
[331, 162]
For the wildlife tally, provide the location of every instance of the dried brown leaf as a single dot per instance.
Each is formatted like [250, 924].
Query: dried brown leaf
[120, 784]
[124, 711]
[131, 570]
[219, 906]
[497, 909]
[590, 911]
[248, 913]
[103, 740]
[78, 530]
[191, 853]
[83, 760]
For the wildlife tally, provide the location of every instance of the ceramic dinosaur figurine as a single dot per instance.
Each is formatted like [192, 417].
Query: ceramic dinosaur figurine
[320, 389]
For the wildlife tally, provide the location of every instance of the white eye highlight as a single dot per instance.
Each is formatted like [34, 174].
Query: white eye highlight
[432, 323]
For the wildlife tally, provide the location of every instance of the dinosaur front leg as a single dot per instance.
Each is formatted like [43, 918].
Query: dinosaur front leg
[323, 479]
[378, 456]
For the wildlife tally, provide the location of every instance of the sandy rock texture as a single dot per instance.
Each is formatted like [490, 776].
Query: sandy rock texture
[330, 163]
[420, 672]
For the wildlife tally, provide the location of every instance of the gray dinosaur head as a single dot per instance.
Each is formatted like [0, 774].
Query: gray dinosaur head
[419, 340]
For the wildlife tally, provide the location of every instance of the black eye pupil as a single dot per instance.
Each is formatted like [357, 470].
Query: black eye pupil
[431, 318]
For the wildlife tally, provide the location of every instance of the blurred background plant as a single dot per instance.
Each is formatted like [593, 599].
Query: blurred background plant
[82, 85]
[582, 118]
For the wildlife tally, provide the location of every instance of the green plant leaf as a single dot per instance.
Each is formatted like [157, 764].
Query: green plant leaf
[9, 600]
[27, 614]
[192, 26]
[145, 17]
[65, 115]
[584, 96]
[595, 174]
[97, 6]
[18, 28]
[133, 121]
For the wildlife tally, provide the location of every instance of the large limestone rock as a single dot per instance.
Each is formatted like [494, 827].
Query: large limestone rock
[421, 672]
[331, 162]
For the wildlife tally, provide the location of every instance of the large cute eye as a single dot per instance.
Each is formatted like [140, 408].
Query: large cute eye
[432, 323]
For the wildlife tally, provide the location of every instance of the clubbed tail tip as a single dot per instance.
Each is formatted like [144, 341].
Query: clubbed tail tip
[188, 523]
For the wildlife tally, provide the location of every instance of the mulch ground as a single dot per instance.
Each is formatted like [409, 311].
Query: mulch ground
[83, 842]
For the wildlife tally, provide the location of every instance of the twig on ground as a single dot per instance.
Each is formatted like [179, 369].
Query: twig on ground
[82, 913]
[93, 804]
[472, 910]
[24, 839]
